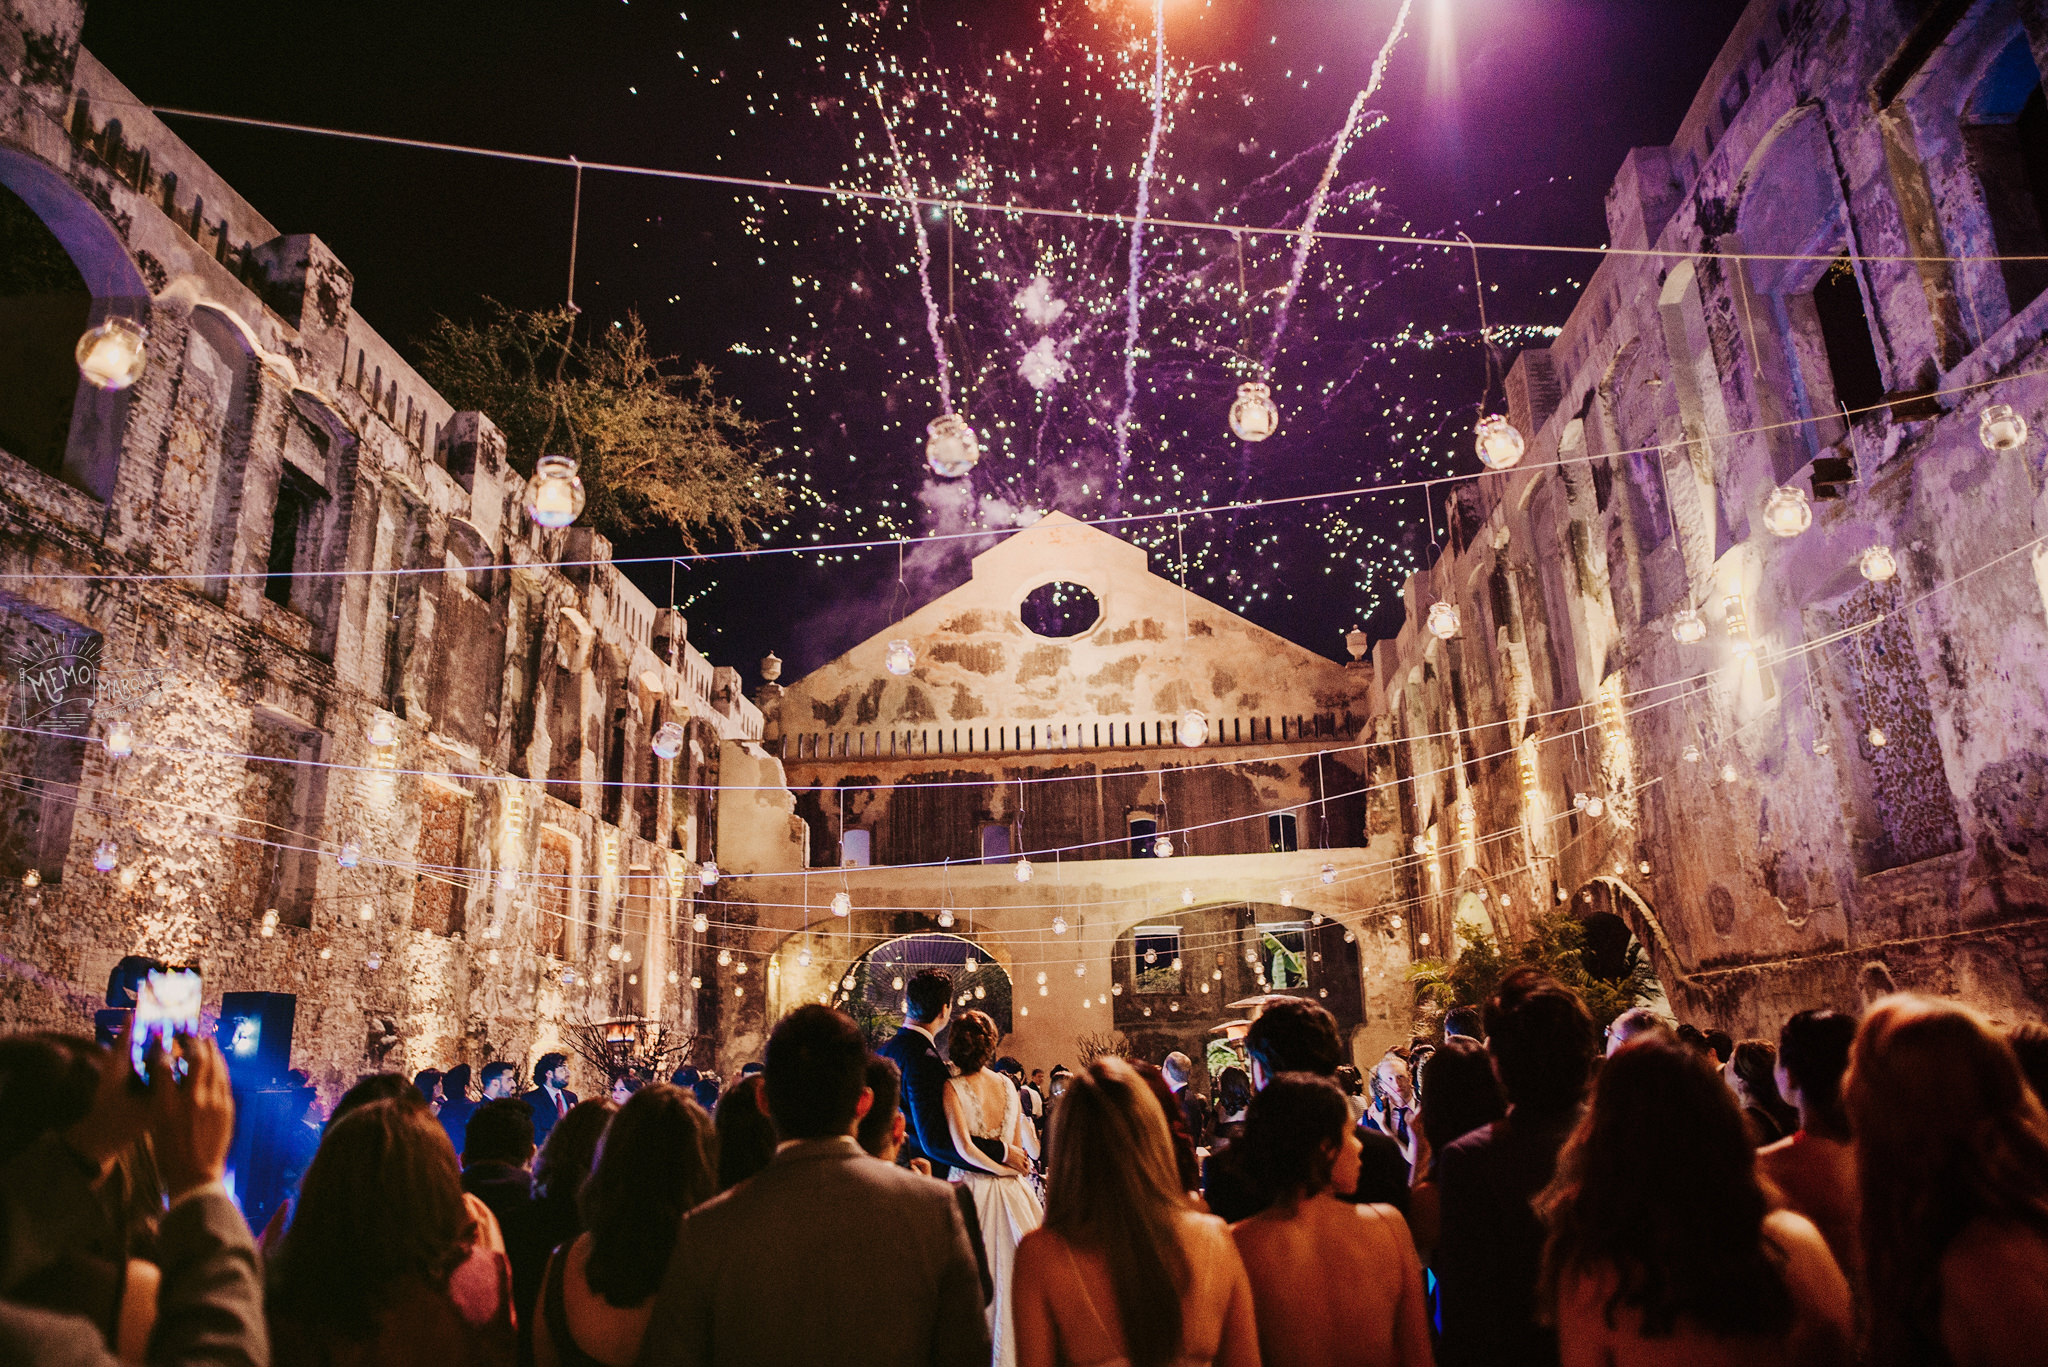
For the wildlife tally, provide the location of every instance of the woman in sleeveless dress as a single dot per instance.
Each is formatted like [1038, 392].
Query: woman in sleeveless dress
[986, 1120]
[1126, 1272]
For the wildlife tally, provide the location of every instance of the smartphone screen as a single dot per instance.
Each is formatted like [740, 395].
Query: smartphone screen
[166, 1007]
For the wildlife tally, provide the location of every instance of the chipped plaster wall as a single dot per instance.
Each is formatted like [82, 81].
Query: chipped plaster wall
[1820, 853]
[471, 631]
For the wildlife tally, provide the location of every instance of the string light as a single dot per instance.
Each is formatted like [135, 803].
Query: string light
[383, 732]
[1194, 728]
[842, 904]
[707, 874]
[898, 658]
[350, 854]
[1688, 627]
[112, 355]
[120, 740]
[1442, 620]
[1877, 564]
[2000, 428]
[1787, 511]
[1500, 443]
[951, 448]
[554, 495]
[105, 855]
[1162, 848]
[1254, 416]
[1023, 867]
[668, 741]
[1328, 874]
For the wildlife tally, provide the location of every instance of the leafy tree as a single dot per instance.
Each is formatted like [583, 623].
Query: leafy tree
[655, 450]
[1556, 944]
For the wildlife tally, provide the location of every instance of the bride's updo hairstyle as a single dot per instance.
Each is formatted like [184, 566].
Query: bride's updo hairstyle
[972, 1041]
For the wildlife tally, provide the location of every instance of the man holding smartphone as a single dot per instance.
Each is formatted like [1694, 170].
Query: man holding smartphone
[210, 1307]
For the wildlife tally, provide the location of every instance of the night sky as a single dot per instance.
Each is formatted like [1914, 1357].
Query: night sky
[1502, 118]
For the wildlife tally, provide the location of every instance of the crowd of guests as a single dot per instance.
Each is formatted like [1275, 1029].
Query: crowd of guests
[1513, 1191]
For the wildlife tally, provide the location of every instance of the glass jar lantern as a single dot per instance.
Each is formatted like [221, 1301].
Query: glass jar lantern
[1787, 511]
[950, 447]
[554, 496]
[1500, 442]
[1254, 416]
[2000, 428]
[112, 355]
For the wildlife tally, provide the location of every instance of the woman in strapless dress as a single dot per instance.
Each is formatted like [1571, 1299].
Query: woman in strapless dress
[1125, 1272]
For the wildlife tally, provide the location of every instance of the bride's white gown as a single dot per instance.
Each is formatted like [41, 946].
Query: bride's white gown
[985, 1105]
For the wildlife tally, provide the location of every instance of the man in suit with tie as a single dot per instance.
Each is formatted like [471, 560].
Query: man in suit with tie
[782, 1271]
[550, 1098]
[915, 1051]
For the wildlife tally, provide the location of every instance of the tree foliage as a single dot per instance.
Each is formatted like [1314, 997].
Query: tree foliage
[1556, 944]
[655, 450]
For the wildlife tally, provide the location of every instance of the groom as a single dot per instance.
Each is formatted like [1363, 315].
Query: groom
[915, 1052]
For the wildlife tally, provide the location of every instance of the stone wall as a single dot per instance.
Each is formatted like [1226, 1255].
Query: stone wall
[1844, 783]
[276, 543]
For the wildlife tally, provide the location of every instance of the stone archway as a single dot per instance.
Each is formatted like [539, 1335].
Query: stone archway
[1620, 926]
[871, 990]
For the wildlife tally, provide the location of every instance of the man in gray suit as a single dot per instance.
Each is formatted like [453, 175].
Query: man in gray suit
[826, 1255]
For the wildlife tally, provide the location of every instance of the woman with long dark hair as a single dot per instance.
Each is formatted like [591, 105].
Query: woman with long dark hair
[1459, 1094]
[1333, 1283]
[1125, 1272]
[656, 1162]
[746, 1136]
[382, 1263]
[1662, 1245]
[1952, 1152]
[1751, 1072]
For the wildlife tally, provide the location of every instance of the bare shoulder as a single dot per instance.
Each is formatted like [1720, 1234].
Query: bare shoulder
[1793, 1232]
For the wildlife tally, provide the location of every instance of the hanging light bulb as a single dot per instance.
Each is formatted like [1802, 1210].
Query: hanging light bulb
[1688, 627]
[980, 992]
[1187, 897]
[899, 659]
[1254, 416]
[617, 950]
[945, 918]
[1877, 736]
[700, 923]
[105, 855]
[1467, 813]
[842, 904]
[1151, 956]
[1787, 511]
[1443, 620]
[1422, 939]
[1080, 970]
[367, 910]
[1691, 754]
[1287, 897]
[383, 732]
[1877, 564]
[724, 957]
[373, 963]
[1315, 918]
[668, 741]
[130, 875]
[112, 355]
[1822, 746]
[120, 741]
[1162, 848]
[1728, 774]
[1059, 927]
[1579, 802]
[1024, 870]
[803, 959]
[1500, 443]
[950, 446]
[554, 496]
[707, 873]
[1394, 922]
[1194, 728]
[1595, 805]
[1329, 874]
[972, 963]
[349, 855]
[2001, 429]
[508, 878]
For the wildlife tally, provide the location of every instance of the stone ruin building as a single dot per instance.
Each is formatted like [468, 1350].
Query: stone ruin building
[1789, 778]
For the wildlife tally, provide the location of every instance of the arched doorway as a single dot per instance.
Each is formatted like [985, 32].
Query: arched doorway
[1611, 911]
[872, 989]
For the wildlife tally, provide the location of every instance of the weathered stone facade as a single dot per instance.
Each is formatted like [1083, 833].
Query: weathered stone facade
[1844, 772]
[276, 541]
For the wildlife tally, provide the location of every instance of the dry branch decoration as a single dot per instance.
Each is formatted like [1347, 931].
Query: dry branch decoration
[638, 1048]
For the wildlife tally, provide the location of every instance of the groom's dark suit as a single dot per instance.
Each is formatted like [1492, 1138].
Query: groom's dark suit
[924, 1100]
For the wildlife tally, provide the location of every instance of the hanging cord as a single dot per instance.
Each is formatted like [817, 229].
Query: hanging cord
[569, 332]
[1756, 364]
[1244, 301]
[1485, 333]
[1181, 663]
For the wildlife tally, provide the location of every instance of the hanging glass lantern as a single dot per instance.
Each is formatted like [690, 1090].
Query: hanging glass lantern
[707, 873]
[1500, 443]
[112, 355]
[1787, 511]
[668, 741]
[700, 923]
[899, 659]
[1287, 897]
[1443, 620]
[1194, 728]
[1728, 774]
[1578, 802]
[1162, 848]
[1254, 417]
[1080, 970]
[1187, 897]
[1423, 939]
[803, 959]
[350, 854]
[617, 951]
[1467, 813]
[1595, 806]
[1059, 927]
[1691, 754]
[554, 496]
[842, 904]
[950, 446]
[383, 732]
[1394, 922]
[1688, 627]
[945, 918]
[1315, 918]
[724, 957]
[1329, 874]
[130, 875]
[1023, 870]
[980, 992]
[2001, 429]
[1877, 564]
[105, 855]
[1877, 737]
[120, 741]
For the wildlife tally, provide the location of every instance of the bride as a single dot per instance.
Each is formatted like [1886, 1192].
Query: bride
[986, 1120]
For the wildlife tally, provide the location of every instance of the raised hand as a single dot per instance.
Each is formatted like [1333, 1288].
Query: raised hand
[192, 1121]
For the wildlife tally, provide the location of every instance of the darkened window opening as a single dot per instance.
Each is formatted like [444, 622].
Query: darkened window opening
[2008, 150]
[1845, 333]
[1155, 959]
[285, 518]
[1280, 832]
[1143, 831]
